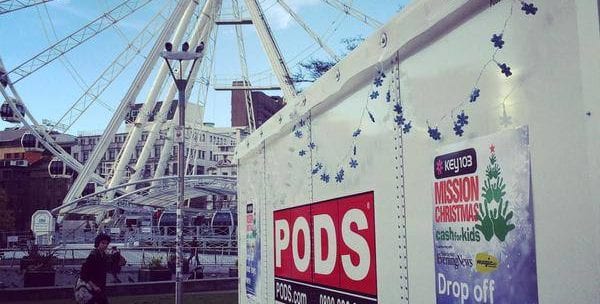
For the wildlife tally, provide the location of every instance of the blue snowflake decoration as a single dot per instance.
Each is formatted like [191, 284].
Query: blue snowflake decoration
[312, 145]
[298, 133]
[356, 133]
[325, 178]
[399, 120]
[528, 8]
[388, 96]
[302, 123]
[339, 177]
[316, 169]
[497, 40]
[505, 69]
[462, 119]
[406, 127]
[371, 116]
[378, 81]
[434, 133]
[354, 150]
[474, 95]
[374, 95]
[398, 108]
[280, 119]
[353, 163]
[302, 152]
[458, 129]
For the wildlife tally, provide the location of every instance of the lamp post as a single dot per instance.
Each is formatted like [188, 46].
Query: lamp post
[181, 83]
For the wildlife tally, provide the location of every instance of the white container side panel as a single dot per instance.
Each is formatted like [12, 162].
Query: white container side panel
[544, 93]
[553, 91]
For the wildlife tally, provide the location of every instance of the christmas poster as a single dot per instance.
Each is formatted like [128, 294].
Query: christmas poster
[483, 232]
[252, 250]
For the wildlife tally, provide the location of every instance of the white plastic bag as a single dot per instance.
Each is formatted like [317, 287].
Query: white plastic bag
[83, 291]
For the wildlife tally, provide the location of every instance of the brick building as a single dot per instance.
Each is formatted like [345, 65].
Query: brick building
[264, 106]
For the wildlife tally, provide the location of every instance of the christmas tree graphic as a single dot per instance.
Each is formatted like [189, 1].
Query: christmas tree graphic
[493, 217]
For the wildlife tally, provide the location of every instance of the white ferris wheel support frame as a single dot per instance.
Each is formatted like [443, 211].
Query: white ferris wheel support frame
[135, 133]
[124, 106]
[270, 46]
[202, 30]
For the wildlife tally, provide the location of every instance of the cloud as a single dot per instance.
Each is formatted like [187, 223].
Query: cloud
[279, 17]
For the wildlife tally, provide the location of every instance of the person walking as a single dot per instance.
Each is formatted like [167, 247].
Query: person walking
[194, 253]
[95, 268]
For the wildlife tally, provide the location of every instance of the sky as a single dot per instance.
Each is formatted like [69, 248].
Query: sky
[50, 92]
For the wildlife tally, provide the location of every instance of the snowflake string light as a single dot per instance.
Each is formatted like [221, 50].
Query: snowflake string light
[528, 8]
[398, 108]
[354, 150]
[356, 133]
[339, 177]
[325, 178]
[474, 95]
[399, 120]
[374, 95]
[378, 81]
[302, 152]
[458, 129]
[353, 163]
[302, 123]
[317, 167]
[388, 96]
[497, 40]
[298, 133]
[462, 119]
[406, 127]
[434, 133]
[371, 116]
[505, 69]
[312, 145]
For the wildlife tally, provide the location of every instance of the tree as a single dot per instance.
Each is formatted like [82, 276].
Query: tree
[7, 213]
[313, 68]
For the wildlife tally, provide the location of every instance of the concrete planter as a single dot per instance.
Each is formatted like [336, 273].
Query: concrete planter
[39, 278]
[153, 275]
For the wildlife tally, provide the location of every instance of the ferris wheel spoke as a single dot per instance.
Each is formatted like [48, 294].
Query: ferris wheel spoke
[8, 6]
[119, 115]
[351, 11]
[122, 61]
[77, 38]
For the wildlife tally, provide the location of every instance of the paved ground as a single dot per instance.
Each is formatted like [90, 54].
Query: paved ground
[205, 298]
[215, 266]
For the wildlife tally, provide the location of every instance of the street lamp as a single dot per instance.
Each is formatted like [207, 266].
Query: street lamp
[181, 84]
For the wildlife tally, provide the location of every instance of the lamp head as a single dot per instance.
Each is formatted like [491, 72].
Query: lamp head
[185, 46]
[200, 47]
[168, 46]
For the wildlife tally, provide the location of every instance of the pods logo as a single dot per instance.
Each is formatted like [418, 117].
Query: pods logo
[330, 243]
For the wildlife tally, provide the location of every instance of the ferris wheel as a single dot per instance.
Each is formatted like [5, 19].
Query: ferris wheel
[264, 44]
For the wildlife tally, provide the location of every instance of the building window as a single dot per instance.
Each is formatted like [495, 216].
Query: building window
[157, 151]
[111, 154]
[76, 156]
[86, 155]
